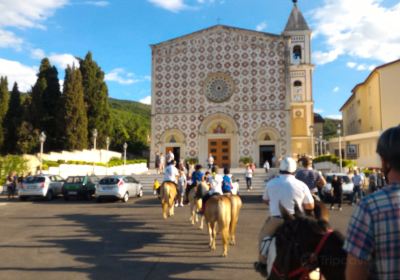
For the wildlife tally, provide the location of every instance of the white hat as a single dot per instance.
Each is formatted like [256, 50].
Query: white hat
[288, 164]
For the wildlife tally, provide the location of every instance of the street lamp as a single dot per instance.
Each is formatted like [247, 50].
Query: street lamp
[125, 147]
[312, 140]
[94, 134]
[339, 132]
[107, 147]
[42, 139]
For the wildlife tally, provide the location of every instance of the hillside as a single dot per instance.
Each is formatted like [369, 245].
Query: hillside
[131, 123]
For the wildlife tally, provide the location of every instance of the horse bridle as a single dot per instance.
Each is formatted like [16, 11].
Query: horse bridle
[307, 267]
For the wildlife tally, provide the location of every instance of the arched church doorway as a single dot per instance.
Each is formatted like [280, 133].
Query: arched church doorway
[173, 140]
[266, 146]
[218, 137]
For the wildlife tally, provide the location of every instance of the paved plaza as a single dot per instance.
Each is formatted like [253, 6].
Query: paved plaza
[88, 240]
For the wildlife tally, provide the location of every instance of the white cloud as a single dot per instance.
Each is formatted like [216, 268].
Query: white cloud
[24, 14]
[318, 111]
[120, 76]
[351, 65]
[37, 53]
[98, 3]
[170, 5]
[63, 60]
[363, 29]
[9, 40]
[146, 100]
[336, 117]
[15, 71]
[261, 26]
[336, 89]
[360, 67]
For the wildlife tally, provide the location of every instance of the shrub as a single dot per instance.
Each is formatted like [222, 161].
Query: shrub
[335, 160]
[12, 163]
[192, 160]
[246, 160]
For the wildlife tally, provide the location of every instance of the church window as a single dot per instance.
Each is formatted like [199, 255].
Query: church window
[297, 52]
[172, 139]
[297, 84]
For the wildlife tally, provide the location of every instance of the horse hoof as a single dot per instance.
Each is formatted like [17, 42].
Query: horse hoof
[224, 255]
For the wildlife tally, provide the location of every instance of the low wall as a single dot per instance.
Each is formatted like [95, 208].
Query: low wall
[328, 167]
[103, 156]
[65, 170]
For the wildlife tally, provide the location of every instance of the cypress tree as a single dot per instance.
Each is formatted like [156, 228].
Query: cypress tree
[27, 134]
[96, 99]
[74, 110]
[12, 121]
[4, 99]
[46, 105]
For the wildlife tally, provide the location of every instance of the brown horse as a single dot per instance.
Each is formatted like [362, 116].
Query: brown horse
[222, 211]
[196, 204]
[305, 243]
[168, 194]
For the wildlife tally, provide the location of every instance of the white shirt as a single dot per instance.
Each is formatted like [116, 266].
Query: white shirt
[216, 185]
[211, 160]
[249, 172]
[286, 189]
[170, 173]
[170, 156]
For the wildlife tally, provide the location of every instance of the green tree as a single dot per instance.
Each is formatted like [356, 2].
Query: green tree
[27, 134]
[46, 105]
[4, 99]
[74, 110]
[96, 99]
[12, 121]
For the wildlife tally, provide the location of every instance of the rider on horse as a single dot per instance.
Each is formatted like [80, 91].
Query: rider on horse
[196, 177]
[284, 190]
[171, 174]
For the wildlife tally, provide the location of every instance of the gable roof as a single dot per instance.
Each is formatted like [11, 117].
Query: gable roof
[296, 21]
[218, 26]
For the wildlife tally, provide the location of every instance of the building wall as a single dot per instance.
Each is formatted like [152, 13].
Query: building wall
[390, 97]
[254, 66]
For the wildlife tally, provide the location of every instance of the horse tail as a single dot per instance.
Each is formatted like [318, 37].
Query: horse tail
[236, 205]
[224, 212]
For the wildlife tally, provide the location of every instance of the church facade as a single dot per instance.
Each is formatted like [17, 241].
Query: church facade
[233, 93]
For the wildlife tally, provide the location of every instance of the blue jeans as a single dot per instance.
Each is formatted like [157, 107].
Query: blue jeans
[357, 192]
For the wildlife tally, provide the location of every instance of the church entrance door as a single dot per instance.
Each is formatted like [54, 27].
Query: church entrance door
[266, 153]
[177, 153]
[221, 151]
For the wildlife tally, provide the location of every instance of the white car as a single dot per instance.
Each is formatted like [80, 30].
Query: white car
[121, 187]
[348, 185]
[45, 186]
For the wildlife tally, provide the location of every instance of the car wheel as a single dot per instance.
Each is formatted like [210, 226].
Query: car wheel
[140, 194]
[66, 197]
[125, 198]
[49, 195]
[99, 199]
[23, 198]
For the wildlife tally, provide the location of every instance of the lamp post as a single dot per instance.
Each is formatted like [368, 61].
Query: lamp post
[125, 147]
[312, 140]
[94, 134]
[321, 152]
[339, 132]
[107, 148]
[42, 139]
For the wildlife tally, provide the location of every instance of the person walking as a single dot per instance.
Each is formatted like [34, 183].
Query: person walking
[266, 166]
[312, 178]
[358, 182]
[373, 238]
[11, 183]
[249, 176]
[372, 182]
[284, 190]
[182, 182]
[157, 163]
[210, 161]
[170, 157]
[162, 163]
[337, 186]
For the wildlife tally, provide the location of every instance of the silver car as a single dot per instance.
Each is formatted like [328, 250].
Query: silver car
[347, 186]
[121, 187]
[45, 186]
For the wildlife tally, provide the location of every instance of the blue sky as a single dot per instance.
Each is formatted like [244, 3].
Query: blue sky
[350, 37]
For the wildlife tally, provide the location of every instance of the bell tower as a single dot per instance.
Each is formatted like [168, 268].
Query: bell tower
[300, 70]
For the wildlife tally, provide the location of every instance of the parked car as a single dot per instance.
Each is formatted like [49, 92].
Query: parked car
[121, 187]
[80, 186]
[348, 186]
[45, 186]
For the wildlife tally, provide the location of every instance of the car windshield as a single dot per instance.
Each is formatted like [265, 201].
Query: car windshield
[109, 181]
[345, 179]
[33, 180]
[75, 179]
